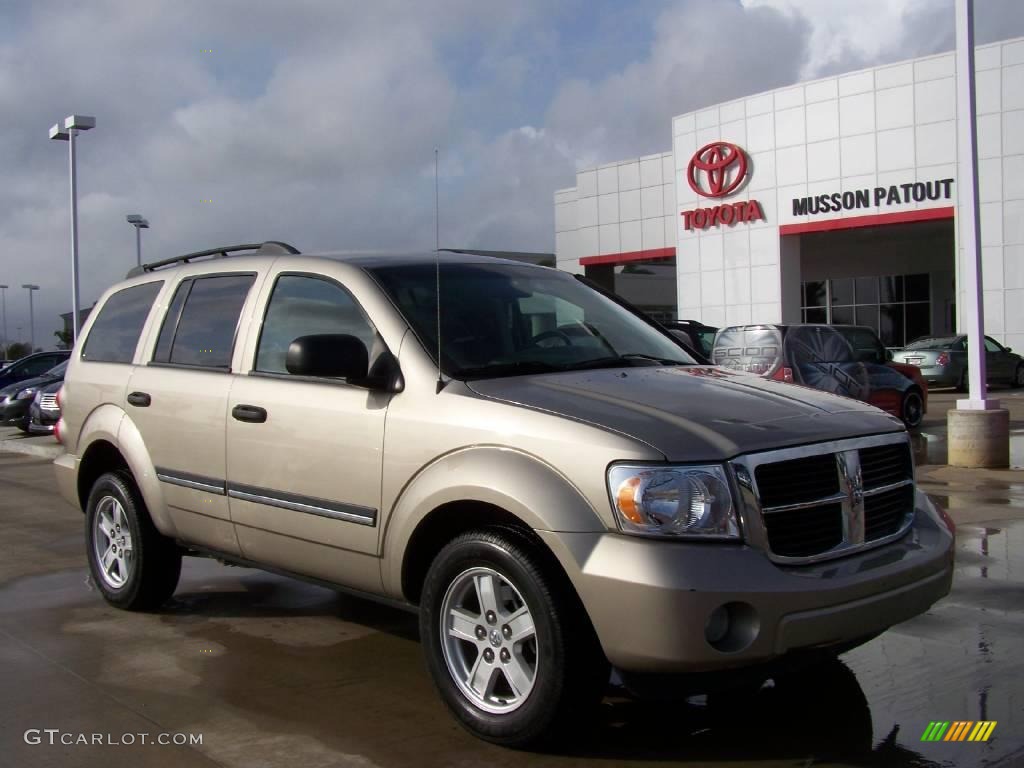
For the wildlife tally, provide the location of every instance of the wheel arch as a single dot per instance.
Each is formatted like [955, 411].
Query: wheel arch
[110, 441]
[525, 496]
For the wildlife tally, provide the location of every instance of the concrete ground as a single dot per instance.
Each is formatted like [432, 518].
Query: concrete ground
[272, 672]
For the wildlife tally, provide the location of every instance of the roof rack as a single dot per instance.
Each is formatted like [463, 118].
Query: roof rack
[268, 247]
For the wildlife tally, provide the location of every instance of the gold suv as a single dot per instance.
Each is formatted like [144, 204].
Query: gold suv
[539, 470]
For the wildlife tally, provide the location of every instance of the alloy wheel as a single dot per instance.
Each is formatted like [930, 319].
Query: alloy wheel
[489, 640]
[112, 542]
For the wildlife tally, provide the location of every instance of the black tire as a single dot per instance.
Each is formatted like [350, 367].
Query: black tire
[153, 564]
[912, 409]
[571, 673]
[961, 385]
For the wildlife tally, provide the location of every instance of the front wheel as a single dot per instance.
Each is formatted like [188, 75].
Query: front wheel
[507, 643]
[912, 409]
[134, 566]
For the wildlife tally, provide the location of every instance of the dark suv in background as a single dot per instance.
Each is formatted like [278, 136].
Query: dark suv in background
[847, 360]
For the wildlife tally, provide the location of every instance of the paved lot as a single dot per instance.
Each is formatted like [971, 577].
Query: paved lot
[273, 672]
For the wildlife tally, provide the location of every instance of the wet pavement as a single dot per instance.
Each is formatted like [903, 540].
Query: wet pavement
[273, 672]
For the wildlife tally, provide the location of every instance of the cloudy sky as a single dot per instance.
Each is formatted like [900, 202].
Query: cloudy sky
[314, 121]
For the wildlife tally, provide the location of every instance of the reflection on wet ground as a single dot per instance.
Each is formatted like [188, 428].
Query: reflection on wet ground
[239, 652]
[276, 672]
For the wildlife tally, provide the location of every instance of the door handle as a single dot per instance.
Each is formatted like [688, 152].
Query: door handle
[250, 413]
[139, 399]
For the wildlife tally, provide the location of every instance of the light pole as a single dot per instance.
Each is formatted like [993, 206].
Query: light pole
[31, 317]
[3, 300]
[72, 125]
[140, 224]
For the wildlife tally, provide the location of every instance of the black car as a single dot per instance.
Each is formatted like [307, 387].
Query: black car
[31, 366]
[44, 413]
[15, 399]
[694, 334]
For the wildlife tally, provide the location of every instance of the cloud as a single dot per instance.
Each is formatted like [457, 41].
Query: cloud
[317, 125]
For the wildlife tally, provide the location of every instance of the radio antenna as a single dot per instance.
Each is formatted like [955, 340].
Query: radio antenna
[437, 271]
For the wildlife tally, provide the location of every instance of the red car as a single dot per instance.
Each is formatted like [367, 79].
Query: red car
[848, 360]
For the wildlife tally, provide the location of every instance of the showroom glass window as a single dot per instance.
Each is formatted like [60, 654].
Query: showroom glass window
[200, 326]
[304, 306]
[116, 330]
[896, 307]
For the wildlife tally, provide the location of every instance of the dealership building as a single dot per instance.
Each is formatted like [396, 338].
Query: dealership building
[834, 201]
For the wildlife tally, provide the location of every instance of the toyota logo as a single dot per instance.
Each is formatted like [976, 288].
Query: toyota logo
[717, 169]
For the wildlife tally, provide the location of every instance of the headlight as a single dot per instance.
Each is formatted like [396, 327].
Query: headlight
[673, 501]
[25, 394]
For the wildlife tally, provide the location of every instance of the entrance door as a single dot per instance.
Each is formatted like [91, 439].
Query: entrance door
[304, 454]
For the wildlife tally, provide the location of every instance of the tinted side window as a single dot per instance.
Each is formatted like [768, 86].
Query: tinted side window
[115, 332]
[992, 346]
[36, 365]
[303, 306]
[203, 334]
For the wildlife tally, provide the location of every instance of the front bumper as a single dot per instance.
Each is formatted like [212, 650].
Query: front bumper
[650, 600]
[15, 413]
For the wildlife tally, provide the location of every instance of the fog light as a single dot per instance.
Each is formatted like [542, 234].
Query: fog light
[717, 625]
[732, 627]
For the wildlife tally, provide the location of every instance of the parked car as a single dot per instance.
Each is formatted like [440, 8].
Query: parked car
[550, 510]
[44, 412]
[16, 399]
[31, 366]
[695, 334]
[848, 360]
[943, 361]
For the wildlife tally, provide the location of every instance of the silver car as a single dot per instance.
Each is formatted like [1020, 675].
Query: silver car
[943, 361]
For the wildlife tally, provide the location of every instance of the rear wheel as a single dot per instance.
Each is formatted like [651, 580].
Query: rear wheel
[912, 409]
[507, 643]
[134, 566]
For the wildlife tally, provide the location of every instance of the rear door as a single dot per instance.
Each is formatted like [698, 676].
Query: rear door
[304, 455]
[178, 401]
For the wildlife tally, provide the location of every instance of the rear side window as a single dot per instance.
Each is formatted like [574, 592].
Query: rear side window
[755, 349]
[115, 332]
[199, 329]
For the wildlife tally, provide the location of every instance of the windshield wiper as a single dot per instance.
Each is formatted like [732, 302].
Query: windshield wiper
[628, 359]
[519, 368]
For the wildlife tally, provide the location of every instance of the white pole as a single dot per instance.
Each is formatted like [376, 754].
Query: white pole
[973, 318]
[3, 297]
[72, 132]
[31, 323]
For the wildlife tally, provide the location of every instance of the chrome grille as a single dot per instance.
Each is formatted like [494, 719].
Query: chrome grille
[48, 402]
[830, 499]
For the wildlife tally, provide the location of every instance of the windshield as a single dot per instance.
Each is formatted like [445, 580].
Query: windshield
[58, 370]
[944, 342]
[504, 320]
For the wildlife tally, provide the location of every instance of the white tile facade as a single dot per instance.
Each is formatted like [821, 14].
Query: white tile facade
[890, 125]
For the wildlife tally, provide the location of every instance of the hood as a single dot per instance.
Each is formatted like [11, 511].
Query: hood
[693, 413]
[36, 381]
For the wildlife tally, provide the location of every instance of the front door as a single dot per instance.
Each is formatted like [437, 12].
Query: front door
[304, 455]
[178, 402]
[997, 361]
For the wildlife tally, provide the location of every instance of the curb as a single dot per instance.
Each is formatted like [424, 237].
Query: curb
[30, 449]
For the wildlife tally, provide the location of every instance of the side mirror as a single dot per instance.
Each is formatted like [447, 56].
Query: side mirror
[1008, 349]
[334, 355]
